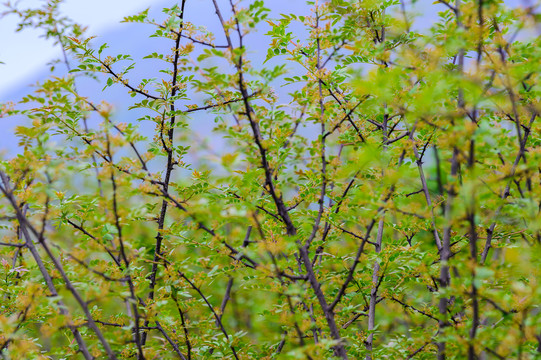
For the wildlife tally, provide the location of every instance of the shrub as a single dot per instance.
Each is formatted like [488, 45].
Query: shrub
[371, 190]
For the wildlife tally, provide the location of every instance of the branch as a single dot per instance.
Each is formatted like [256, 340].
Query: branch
[218, 318]
[412, 308]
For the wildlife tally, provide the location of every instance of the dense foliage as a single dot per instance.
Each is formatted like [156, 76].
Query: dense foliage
[372, 190]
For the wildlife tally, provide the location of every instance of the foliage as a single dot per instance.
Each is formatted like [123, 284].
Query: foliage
[386, 206]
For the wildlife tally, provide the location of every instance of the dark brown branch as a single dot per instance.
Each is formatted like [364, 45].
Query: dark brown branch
[184, 327]
[249, 112]
[6, 190]
[133, 298]
[413, 308]
[388, 142]
[125, 83]
[227, 297]
[351, 271]
[169, 167]
[211, 308]
[26, 227]
[211, 106]
[505, 193]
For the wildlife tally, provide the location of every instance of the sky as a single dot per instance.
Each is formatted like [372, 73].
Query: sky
[18, 50]
[25, 54]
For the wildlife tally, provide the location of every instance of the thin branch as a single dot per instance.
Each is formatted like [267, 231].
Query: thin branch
[211, 308]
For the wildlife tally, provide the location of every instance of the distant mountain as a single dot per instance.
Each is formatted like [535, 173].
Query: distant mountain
[133, 39]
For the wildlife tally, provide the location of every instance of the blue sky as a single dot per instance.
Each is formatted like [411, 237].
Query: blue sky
[18, 50]
[25, 54]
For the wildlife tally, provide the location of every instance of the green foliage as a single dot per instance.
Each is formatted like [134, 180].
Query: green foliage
[377, 195]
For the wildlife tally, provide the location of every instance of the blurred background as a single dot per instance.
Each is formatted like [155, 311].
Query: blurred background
[26, 55]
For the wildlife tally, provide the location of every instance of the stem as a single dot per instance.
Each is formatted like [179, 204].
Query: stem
[169, 169]
[21, 218]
